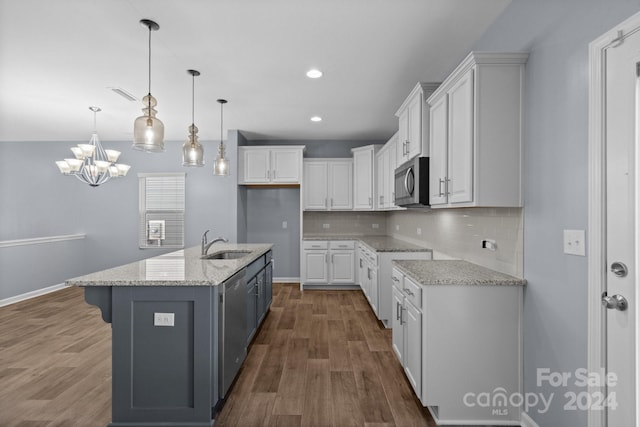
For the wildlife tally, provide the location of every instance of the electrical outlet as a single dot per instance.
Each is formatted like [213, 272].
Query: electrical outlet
[325, 226]
[397, 227]
[375, 225]
[489, 244]
[164, 319]
[574, 242]
[419, 231]
[284, 225]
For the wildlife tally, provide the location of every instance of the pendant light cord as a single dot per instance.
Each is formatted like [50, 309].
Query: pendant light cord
[221, 108]
[149, 62]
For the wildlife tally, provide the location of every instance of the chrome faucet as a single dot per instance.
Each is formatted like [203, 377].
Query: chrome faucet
[206, 245]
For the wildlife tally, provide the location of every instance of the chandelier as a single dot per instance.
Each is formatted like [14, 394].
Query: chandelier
[93, 164]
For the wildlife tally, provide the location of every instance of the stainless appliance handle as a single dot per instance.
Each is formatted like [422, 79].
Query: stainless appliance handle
[406, 181]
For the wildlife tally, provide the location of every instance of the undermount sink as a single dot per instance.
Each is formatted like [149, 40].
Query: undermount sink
[226, 255]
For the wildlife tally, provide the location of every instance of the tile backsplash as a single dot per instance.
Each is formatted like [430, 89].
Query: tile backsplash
[360, 223]
[459, 234]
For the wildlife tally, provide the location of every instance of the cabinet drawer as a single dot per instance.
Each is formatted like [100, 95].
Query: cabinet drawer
[342, 244]
[315, 244]
[413, 292]
[396, 278]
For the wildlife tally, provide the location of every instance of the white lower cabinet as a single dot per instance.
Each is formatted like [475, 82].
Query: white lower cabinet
[328, 262]
[458, 343]
[374, 277]
[407, 330]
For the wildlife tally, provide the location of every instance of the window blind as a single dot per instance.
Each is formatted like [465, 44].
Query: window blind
[161, 210]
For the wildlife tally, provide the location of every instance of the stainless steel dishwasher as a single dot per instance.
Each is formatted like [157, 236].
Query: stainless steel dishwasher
[232, 329]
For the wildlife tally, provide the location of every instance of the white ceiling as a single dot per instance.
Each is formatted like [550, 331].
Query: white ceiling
[59, 57]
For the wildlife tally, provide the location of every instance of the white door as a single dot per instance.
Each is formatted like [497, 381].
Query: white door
[285, 165]
[315, 186]
[397, 329]
[415, 126]
[412, 320]
[403, 137]
[340, 185]
[438, 152]
[460, 140]
[622, 130]
[315, 266]
[342, 267]
[256, 166]
[363, 179]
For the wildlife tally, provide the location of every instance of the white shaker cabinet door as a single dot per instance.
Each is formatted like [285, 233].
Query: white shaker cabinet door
[413, 347]
[414, 132]
[315, 186]
[460, 165]
[341, 186]
[363, 179]
[256, 166]
[438, 150]
[316, 266]
[342, 267]
[397, 327]
[286, 166]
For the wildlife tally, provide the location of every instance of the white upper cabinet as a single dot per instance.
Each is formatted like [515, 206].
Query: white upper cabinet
[413, 123]
[475, 137]
[328, 184]
[268, 165]
[363, 177]
[385, 175]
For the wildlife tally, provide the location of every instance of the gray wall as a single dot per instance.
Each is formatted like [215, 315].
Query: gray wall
[260, 213]
[37, 201]
[556, 115]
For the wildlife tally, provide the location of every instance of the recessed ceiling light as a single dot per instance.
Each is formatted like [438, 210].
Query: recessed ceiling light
[316, 119]
[314, 73]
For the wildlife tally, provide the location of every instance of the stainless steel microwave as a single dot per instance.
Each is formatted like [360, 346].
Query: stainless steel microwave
[411, 183]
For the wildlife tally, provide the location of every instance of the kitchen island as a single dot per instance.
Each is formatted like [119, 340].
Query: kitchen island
[180, 328]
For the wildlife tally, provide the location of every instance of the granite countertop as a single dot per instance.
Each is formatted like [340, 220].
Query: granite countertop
[455, 272]
[179, 268]
[375, 243]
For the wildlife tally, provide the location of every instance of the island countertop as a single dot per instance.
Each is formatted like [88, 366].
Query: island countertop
[178, 268]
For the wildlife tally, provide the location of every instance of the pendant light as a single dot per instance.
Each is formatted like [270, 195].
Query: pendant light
[93, 164]
[192, 151]
[148, 130]
[221, 165]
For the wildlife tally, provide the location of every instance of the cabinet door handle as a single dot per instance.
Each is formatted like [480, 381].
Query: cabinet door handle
[397, 310]
[402, 316]
[332, 256]
[408, 149]
[325, 202]
[446, 187]
[360, 262]
[408, 292]
[326, 258]
[370, 201]
[404, 148]
[395, 279]
[368, 273]
[440, 182]
[331, 202]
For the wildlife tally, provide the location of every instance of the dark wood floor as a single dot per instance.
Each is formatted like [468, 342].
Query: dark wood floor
[320, 359]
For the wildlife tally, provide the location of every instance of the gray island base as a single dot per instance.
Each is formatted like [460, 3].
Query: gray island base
[180, 330]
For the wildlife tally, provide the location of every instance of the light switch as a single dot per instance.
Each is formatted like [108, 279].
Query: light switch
[325, 226]
[284, 224]
[574, 242]
[419, 231]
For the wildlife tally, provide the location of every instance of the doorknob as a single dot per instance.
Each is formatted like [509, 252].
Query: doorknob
[619, 269]
[617, 301]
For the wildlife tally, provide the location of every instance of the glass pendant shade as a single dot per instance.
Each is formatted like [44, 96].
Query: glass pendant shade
[221, 165]
[148, 130]
[192, 151]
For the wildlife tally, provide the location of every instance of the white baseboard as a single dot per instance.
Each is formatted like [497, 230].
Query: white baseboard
[32, 294]
[527, 421]
[286, 280]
